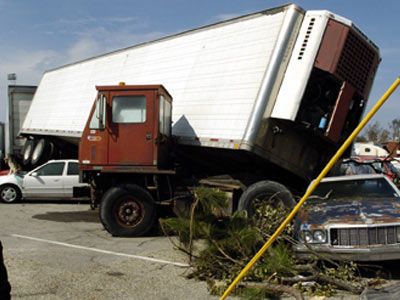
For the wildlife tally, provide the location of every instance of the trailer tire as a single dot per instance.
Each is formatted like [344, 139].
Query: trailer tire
[27, 151]
[273, 192]
[41, 152]
[10, 193]
[127, 210]
[53, 151]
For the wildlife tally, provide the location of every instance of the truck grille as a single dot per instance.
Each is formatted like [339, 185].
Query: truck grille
[362, 236]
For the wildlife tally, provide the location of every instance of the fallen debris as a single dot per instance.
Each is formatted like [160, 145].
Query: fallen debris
[219, 246]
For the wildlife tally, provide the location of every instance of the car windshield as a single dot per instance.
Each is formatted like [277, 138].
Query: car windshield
[358, 188]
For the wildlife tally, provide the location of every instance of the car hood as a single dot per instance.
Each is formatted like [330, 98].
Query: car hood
[357, 211]
[13, 179]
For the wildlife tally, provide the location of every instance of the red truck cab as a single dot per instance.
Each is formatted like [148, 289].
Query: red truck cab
[128, 129]
[124, 155]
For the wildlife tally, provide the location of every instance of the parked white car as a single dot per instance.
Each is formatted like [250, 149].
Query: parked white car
[52, 180]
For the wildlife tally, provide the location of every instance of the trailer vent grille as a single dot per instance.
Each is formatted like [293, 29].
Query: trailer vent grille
[356, 62]
[306, 39]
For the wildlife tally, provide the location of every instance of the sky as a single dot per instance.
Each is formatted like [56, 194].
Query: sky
[38, 35]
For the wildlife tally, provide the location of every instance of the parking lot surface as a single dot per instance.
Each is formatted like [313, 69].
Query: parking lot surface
[61, 251]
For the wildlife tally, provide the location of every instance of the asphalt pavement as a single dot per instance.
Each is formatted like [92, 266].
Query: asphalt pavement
[61, 251]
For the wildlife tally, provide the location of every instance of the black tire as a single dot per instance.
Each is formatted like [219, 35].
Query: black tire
[127, 210]
[53, 151]
[41, 152]
[272, 192]
[27, 151]
[9, 193]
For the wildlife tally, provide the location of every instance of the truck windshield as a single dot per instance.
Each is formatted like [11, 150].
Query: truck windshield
[129, 109]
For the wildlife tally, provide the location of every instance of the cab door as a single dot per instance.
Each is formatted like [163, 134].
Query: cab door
[133, 128]
[94, 142]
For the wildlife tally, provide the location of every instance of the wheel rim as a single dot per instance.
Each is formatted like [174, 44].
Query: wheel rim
[128, 212]
[9, 194]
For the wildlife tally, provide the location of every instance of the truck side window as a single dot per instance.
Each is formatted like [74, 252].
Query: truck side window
[98, 119]
[129, 109]
[165, 116]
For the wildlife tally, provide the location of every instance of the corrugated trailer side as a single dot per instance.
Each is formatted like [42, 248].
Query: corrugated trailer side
[215, 73]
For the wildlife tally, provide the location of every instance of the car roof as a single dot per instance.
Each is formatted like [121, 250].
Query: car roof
[64, 160]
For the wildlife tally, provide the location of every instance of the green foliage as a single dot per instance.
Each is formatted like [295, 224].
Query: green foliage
[229, 242]
[268, 217]
[317, 289]
[211, 200]
[280, 261]
[345, 272]
[253, 294]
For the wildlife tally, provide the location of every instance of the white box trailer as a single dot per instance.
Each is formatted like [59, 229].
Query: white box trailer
[214, 74]
[235, 84]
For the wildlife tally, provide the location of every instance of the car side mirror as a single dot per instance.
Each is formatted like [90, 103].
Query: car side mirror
[34, 174]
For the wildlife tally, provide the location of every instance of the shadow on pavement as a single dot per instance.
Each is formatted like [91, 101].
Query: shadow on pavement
[386, 270]
[88, 216]
[46, 201]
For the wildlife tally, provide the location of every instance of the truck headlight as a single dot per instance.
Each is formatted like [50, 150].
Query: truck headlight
[319, 236]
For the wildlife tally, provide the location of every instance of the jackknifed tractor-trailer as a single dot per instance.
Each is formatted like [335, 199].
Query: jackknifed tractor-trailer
[255, 106]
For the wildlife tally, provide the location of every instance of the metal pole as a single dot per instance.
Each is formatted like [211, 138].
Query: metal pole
[309, 191]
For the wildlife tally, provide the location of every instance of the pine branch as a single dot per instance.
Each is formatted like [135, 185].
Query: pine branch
[224, 254]
[344, 285]
[274, 288]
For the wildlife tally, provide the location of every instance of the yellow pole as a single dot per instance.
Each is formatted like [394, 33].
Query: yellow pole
[309, 191]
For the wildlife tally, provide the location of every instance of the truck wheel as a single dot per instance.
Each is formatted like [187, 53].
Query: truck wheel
[9, 193]
[265, 192]
[27, 151]
[41, 152]
[127, 210]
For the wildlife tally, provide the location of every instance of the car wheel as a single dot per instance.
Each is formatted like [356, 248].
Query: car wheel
[127, 210]
[9, 193]
[265, 192]
[27, 151]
